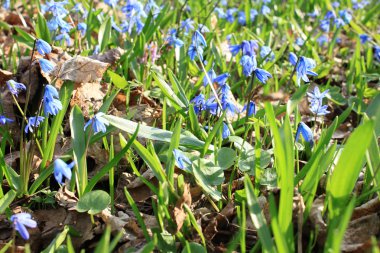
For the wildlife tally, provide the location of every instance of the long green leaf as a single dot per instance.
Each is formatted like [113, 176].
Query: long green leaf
[156, 134]
[6, 200]
[79, 146]
[257, 217]
[347, 170]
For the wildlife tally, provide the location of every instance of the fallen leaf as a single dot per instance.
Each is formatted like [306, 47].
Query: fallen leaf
[179, 213]
[80, 69]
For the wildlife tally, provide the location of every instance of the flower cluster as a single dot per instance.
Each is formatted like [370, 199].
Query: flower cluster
[231, 14]
[198, 42]
[303, 67]
[248, 60]
[316, 102]
[52, 104]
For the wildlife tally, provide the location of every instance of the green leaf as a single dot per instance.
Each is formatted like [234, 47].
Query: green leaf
[104, 243]
[79, 146]
[296, 98]
[58, 240]
[24, 37]
[6, 200]
[153, 133]
[203, 182]
[373, 112]
[104, 34]
[64, 96]
[193, 247]
[226, 157]
[212, 134]
[347, 170]
[42, 30]
[284, 158]
[257, 217]
[117, 80]
[103, 171]
[93, 202]
[167, 90]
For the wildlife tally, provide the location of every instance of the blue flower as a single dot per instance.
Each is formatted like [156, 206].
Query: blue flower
[306, 133]
[377, 52]
[335, 4]
[300, 41]
[364, 38]
[172, 40]
[15, 87]
[43, 47]
[199, 103]
[230, 15]
[182, 161]
[33, 122]
[330, 15]
[61, 169]
[316, 95]
[198, 39]
[253, 14]
[234, 49]
[251, 106]
[249, 47]
[82, 27]
[46, 65]
[303, 68]
[4, 120]
[221, 79]
[318, 109]
[323, 39]
[63, 36]
[293, 58]
[267, 52]
[57, 8]
[212, 106]
[211, 74]
[220, 12]
[313, 14]
[98, 123]
[112, 3]
[265, 10]
[325, 25]
[7, 4]
[339, 22]
[226, 131]
[22, 220]
[346, 16]
[151, 5]
[52, 105]
[241, 18]
[262, 75]
[249, 64]
[187, 25]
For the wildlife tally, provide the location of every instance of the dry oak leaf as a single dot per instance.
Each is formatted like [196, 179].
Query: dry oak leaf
[80, 69]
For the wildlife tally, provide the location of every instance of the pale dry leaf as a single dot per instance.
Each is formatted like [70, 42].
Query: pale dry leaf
[179, 213]
[80, 69]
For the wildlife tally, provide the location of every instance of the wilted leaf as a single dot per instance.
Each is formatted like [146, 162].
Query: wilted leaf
[80, 69]
[179, 213]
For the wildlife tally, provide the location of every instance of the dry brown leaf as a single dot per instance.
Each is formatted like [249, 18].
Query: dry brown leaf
[179, 213]
[88, 96]
[5, 76]
[111, 56]
[221, 219]
[66, 198]
[80, 69]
